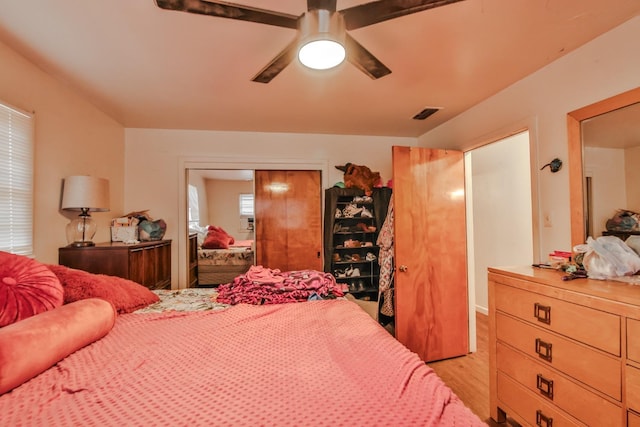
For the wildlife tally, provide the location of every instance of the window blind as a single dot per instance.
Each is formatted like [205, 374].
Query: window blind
[194, 205]
[16, 181]
[246, 204]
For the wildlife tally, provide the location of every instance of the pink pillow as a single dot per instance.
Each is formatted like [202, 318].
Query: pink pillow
[125, 295]
[27, 287]
[32, 345]
[217, 238]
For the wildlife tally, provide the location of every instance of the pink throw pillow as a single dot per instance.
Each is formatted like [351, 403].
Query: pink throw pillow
[125, 295]
[217, 238]
[27, 288]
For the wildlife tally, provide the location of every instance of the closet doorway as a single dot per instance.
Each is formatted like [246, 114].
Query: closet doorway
[306, 219]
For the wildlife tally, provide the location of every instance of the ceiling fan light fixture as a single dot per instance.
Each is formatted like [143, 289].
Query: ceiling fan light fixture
[321, 54]
[322, 39]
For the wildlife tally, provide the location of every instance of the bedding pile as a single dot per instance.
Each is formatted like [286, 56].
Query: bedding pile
[313, 363]
[261, 285]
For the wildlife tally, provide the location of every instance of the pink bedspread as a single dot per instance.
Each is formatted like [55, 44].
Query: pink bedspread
[314, 363]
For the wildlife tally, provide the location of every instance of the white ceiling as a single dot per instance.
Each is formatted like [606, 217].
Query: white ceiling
[153, 68]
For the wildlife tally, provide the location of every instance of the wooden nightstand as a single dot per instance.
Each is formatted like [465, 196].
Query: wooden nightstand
[147, 263]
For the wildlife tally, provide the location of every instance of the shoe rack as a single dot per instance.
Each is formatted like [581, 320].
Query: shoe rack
[352, 224]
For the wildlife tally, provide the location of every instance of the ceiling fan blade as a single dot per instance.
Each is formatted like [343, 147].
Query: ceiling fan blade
[278, 63]
[383, 10]
[364, 60]
[231, 11]
[329, 5]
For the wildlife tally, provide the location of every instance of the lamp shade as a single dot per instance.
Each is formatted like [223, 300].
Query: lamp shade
[82, 192]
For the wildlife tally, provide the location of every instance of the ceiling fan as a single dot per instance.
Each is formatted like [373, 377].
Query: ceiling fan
[321, 21]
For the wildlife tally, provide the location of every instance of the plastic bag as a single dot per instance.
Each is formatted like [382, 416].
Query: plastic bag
[609, 256]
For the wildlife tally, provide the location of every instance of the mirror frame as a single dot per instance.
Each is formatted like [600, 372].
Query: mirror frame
[574, 134]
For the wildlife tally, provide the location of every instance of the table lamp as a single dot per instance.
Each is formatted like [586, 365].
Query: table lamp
[84, 194]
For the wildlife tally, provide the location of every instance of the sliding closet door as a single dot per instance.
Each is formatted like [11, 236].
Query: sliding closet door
[288, 219]
[430, 252]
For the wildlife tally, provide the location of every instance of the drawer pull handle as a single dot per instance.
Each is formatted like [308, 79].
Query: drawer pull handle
[542, 313]
[543, 349]
[542, 418]
[545, 386]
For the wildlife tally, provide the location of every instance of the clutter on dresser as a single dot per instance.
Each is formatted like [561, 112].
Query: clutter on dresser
[139, 226]
[124, 229]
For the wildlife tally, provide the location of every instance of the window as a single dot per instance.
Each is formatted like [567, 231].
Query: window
[16, 181]
[194, 206]
[246, 204]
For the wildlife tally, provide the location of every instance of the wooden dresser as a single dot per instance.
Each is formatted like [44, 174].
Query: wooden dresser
[147, 263]
[563, 353]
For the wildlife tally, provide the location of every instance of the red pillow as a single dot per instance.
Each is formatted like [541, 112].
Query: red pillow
[125, 295]
[217, 238]
[27, 287]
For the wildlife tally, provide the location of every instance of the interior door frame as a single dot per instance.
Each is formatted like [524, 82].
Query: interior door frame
[230, 163]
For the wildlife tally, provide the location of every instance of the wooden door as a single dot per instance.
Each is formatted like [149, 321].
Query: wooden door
[288, 219]
[430, 252]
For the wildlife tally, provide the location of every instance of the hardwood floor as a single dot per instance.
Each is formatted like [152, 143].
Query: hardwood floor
[468, 376]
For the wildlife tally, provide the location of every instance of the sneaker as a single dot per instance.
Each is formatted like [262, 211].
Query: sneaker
[351, 210]
[370, 256]
[362, 199]
[352, 272]
[366, 213]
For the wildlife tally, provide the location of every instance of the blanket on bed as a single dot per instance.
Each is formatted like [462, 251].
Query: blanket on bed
[314, 363]
[260, 285]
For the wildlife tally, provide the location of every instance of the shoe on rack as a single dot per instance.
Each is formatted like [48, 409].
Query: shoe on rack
[339, 273]
[370, 256]
[338, 213]
[360, 286]
[351, 210]
[347, 257]
[356, 258]
[366, 213]
[350, 243]
[367, 244]
[362, 199]
[336, 257]
[348, 271]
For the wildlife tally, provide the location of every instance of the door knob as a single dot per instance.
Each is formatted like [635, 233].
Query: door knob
[404, 268]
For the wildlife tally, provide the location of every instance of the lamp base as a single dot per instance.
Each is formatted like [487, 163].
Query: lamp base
[81, 244]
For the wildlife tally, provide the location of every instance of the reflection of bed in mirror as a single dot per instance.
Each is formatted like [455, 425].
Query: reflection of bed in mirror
[217, 266]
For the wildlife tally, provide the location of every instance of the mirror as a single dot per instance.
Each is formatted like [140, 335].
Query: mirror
[223, 199]
[586, 127]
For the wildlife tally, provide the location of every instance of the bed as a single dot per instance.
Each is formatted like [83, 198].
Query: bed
[187, 359]
[217, 266]
[220, 256]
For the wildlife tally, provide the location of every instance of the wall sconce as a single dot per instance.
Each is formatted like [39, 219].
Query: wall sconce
[555, 165]
[84, 194]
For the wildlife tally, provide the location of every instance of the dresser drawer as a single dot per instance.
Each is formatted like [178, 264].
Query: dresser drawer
[533, 409]
[574, 399]
[586, 365]
[633, 339]
[593, 327]
[632, 381]
[633, 420]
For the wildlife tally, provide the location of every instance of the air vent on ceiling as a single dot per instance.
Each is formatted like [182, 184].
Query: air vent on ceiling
[425, 113]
